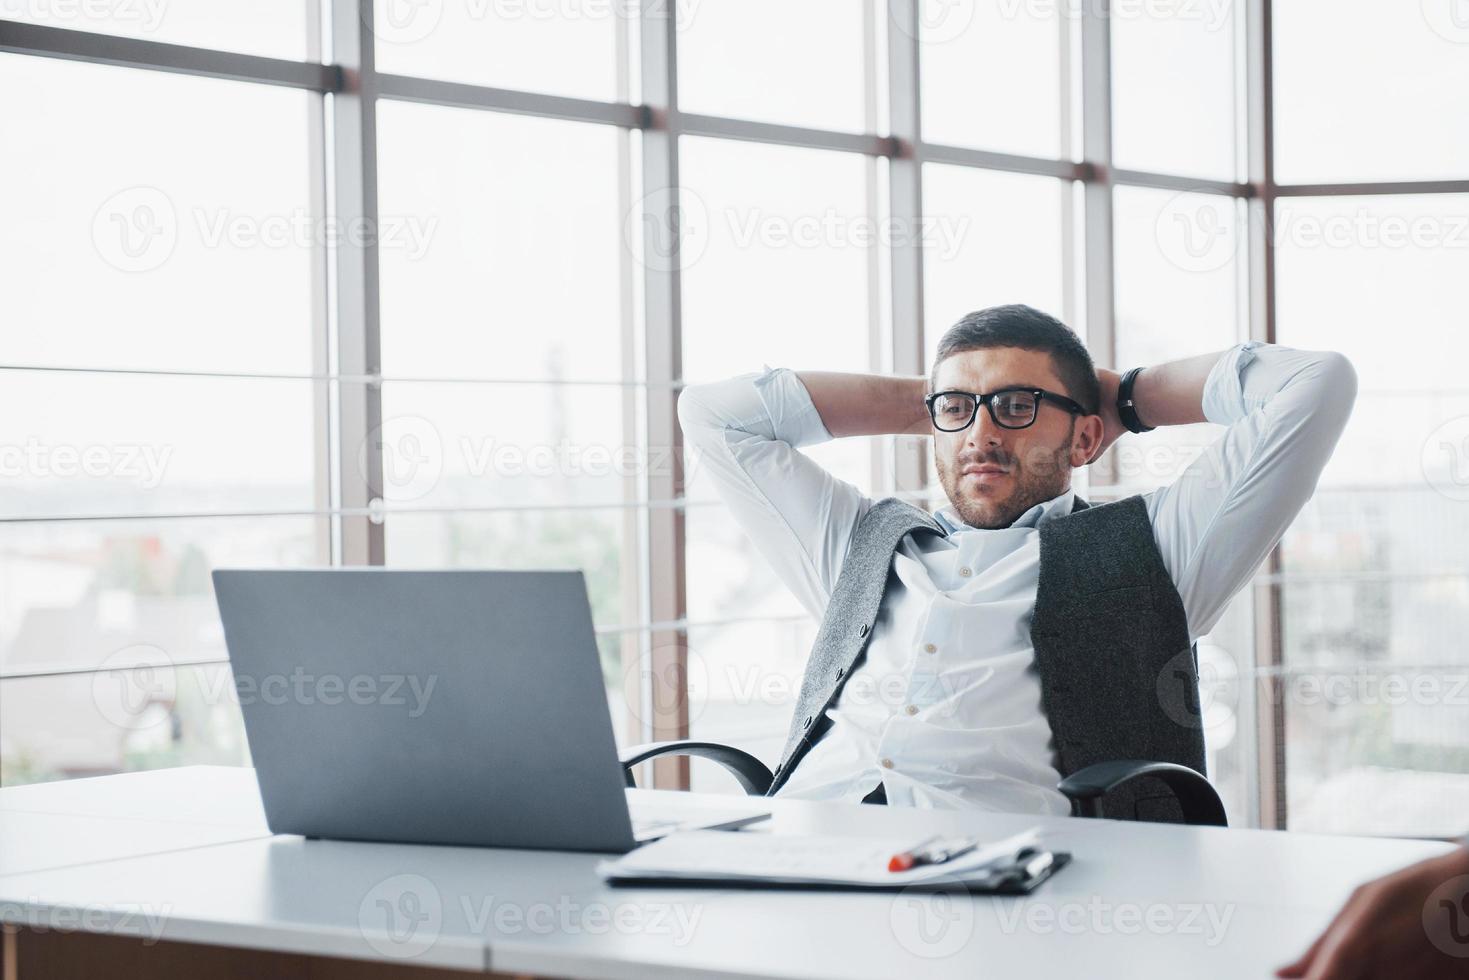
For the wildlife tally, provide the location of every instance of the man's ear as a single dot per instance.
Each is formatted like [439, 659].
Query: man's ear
[1085, 439]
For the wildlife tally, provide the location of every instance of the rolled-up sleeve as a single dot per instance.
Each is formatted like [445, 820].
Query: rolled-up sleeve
[1285, 410]
[745, 436]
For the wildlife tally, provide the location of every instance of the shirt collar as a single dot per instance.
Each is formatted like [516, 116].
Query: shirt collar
[1057, 506]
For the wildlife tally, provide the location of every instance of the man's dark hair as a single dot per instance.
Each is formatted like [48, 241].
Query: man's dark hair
[1017, 325]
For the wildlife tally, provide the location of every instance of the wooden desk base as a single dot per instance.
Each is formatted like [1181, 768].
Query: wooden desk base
[32, 955]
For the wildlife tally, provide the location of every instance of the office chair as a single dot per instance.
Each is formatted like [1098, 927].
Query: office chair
[1197, 799]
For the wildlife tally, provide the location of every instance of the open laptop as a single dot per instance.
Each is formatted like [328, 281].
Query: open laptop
[435, 707]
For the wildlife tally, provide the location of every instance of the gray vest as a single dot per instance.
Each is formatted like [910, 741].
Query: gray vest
[1119, 679]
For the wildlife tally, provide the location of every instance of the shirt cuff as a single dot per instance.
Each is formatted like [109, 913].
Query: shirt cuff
[1224, 391]
[789, 407]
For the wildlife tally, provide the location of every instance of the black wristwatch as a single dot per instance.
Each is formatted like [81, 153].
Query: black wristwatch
[1126, 407]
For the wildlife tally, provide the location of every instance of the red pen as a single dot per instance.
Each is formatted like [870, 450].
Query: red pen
[920, 854]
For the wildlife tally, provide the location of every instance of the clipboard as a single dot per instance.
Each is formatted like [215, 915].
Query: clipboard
[1031, 869]
[1012, 865]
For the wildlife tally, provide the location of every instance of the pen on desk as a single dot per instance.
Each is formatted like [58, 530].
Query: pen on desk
[920, 853]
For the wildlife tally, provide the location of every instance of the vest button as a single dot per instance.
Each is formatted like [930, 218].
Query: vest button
[862, 630]
[841, 671]
[807, 722]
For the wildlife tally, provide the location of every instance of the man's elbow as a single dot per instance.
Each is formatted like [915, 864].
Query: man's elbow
[1341, 378]
[699, 416]
[693, 412]
[1336, 382]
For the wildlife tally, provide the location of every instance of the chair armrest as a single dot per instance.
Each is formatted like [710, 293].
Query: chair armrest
[750, 771]
[1196, 796]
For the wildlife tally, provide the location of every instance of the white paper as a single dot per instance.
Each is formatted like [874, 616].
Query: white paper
[734, 856]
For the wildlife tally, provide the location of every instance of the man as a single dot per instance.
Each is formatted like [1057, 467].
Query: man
[1409, 925]
[1020, 634]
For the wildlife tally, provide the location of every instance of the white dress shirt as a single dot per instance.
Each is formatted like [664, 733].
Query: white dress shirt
[945, 709]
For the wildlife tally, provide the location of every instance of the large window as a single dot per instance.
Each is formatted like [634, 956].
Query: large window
[418, 285]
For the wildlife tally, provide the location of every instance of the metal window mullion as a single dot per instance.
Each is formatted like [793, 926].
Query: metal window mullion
[127, 52]
[1260, 209]
[632, 559]
[354, 204]
[667, 649]
[905, 199]
[1098, 251]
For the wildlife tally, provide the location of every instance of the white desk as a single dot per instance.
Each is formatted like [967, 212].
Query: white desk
[182, 856]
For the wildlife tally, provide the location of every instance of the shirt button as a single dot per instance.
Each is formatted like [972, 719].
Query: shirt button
[964, 572]
[930, 648]
[887, 763]
[912, 709]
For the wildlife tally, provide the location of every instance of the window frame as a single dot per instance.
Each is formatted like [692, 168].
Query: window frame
[657, 626]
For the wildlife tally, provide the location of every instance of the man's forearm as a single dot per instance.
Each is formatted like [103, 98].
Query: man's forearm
[868, 404]
[1172, 393]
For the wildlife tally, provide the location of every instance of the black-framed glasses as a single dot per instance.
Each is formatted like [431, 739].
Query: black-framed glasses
[1011, 408]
